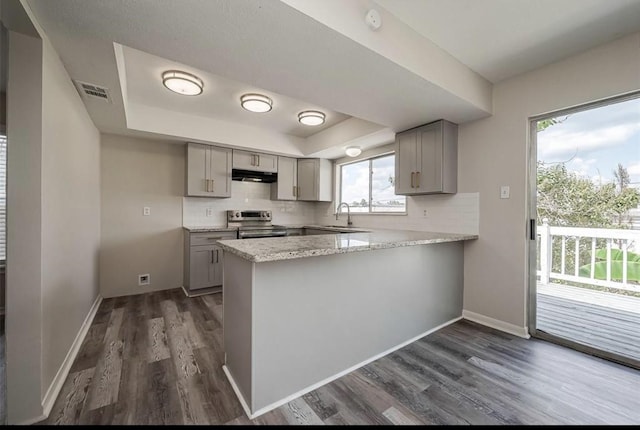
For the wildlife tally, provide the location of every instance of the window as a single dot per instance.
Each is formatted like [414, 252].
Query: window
[368, 186]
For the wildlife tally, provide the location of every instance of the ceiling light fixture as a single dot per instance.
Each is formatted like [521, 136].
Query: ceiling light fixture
[256, 103]
[311, 117]
[182, 82]
[353, 151]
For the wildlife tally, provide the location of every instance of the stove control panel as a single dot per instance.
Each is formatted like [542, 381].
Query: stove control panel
[248, 215]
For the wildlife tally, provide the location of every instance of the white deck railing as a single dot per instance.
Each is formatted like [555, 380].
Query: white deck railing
[580, 245]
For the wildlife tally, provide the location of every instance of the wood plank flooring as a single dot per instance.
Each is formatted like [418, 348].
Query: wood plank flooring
[156, 359]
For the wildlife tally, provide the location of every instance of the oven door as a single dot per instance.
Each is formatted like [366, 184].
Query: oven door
[254, 234]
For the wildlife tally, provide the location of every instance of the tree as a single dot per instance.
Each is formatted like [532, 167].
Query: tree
[566, 199]
[622, 177]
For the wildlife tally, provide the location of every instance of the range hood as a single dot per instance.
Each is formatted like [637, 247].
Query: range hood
[253, 176]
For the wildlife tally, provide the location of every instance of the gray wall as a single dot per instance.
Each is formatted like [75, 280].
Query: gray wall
[53, 221]
[24, 228]
[70, 213]
[137, 173]
[493, 152]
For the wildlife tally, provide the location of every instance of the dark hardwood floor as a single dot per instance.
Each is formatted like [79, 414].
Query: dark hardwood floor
[156, 359]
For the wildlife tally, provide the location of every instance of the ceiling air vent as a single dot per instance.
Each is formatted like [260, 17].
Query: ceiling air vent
[93, 91]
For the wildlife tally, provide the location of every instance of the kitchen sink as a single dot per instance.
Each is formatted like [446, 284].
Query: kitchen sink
[345, 228]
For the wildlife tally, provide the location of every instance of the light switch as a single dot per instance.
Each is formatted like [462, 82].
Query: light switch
[146, 211]
[209, 212]
[504, 192]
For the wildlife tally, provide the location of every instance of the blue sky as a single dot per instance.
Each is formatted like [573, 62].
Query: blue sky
[593, 142]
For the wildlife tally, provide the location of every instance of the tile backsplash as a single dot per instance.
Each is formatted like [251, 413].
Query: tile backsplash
[456, 213]
[245, 195]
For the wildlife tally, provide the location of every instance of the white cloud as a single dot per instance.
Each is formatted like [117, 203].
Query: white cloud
[557, 143]
[581, 166]
[634, 169]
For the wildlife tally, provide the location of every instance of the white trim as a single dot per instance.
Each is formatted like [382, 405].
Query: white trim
[236, 390]
[58, 381]
[331, 378]
[497, 324]
[32, 421]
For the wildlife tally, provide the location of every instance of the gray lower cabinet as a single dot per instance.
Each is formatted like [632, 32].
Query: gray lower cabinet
[203, 260]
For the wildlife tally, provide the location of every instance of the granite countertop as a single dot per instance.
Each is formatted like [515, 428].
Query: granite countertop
[291, 247]
[206, 228]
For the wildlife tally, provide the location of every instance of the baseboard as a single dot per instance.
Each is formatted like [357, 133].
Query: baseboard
[58, 381]
[310, 388]
[236, 390]
[497, 324]
[202, 292]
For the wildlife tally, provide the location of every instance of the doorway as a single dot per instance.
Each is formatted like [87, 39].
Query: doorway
[584, 254]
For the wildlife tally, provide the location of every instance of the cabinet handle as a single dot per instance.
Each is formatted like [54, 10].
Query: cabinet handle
[297, 191]
[213, 185]
[294, 191]
[417, 179]
[258, 159]
[412, 173]
[212, 257]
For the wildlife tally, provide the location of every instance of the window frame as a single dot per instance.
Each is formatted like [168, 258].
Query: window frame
[370, 161]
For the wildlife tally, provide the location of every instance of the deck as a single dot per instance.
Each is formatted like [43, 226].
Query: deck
[600, 320]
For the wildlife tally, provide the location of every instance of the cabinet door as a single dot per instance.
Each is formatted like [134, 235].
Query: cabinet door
[220, 171]
[267, 162]
[406, 162]
[197, 169]
[245, 160]
[287, 185]
[215, 272]
[257, 161]
[307, 179]
[201, 260]
[429, 176]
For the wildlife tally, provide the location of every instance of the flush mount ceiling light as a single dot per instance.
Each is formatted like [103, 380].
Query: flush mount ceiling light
[353, 151]
[311, 117]
[182, 82]
[256, 103]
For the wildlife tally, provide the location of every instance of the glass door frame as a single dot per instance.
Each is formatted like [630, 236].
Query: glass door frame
[532, 235]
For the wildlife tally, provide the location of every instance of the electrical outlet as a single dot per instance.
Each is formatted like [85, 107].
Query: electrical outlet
[504, 192]
[424, 213]
[209, 212]
[144, 279]
[146, 211]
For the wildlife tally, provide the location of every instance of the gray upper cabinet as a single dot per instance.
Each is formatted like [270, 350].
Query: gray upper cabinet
[208, 171]
[257, 161]
[315, 179]
[427, 159]
[286, 188]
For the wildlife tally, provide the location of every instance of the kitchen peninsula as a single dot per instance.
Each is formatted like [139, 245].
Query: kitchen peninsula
[300, 311]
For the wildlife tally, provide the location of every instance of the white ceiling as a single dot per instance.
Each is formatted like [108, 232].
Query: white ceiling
[220, 98]
[503, 38]
[305, 56]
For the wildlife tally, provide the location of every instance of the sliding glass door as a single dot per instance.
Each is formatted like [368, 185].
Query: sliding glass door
[585, 228]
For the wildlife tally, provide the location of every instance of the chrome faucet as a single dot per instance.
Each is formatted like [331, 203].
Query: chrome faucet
[349, 223]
